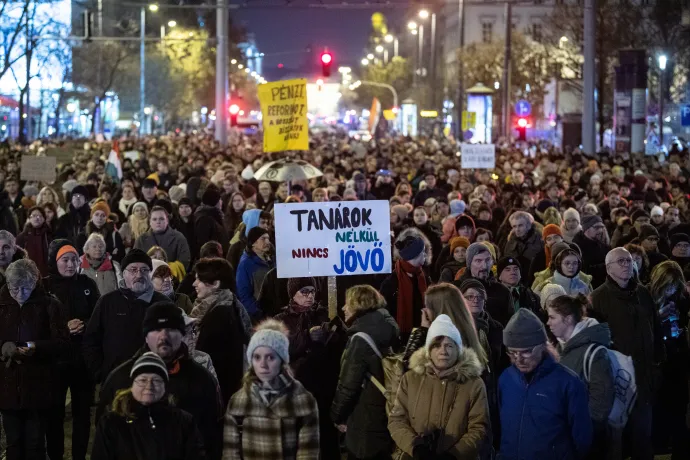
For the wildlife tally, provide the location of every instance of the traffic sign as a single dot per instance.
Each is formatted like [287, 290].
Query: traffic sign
[685, 115]
[469, 120]
[523, 108]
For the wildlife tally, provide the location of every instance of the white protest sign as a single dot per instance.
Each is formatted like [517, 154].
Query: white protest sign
[333, 238]
[478, 156]
[38, 168]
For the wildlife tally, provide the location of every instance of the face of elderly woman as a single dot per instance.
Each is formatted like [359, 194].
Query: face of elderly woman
[443, 353]
[21, 289]
[96, 249]
[148, 388]
[266, 364]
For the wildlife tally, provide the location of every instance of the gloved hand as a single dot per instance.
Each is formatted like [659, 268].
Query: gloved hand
[423, 452]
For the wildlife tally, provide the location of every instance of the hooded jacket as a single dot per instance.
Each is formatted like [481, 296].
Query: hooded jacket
[546, 418]
[573, 286]
[30, 381]
[600, 387]
[192, 387]
[455, 404]
[208, 226]
[358, 403]
[250, 276]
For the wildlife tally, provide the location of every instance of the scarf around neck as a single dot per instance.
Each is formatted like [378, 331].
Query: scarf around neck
[124, 205]
[406, 273]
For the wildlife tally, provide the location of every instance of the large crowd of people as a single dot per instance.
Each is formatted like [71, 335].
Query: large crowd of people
[535, 311]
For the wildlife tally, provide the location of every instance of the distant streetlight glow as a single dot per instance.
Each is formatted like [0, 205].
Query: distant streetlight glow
[564, 39]
[147, 110]
[233, 62]
[497, 85]
[412, 25]
[71, 107]
[423, 14]
[388, 38]
[365, 61]
[153, 7]
[172, 23]
[379, 49]
[240, 67]
[662, 62]
[370, 56]
[413, 31]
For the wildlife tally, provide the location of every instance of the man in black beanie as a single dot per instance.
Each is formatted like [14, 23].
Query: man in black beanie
[73, 223]
[208, 221]
[113, 333]
[509, 273]
[193, 387]
[149, 189]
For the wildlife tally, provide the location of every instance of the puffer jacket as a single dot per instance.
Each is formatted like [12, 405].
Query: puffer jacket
[287, 428]
[358, 403]
[107, 276]
[573, 286]
[156, 432]
[601, 385]
[542, 278]
[546, 418]
[30, 382]
[455, 404]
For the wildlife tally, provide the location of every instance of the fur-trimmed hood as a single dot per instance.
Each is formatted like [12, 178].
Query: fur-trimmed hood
[414, 231]
[467, 367]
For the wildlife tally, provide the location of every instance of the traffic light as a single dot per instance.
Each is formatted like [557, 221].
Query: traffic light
[234, 110]
[522, 129]
[326, 62]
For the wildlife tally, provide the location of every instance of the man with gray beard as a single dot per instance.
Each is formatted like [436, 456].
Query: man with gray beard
[114, 332]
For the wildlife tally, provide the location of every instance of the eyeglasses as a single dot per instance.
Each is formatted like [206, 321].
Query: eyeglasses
[15, 290]
[474, 298]
[623, 262]
[524, 354]
[571, 264]
[307, 291]
[134, 271]
[143, 382]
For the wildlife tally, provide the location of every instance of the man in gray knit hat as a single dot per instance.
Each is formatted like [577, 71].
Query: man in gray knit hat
[499, 303]
[541, 402]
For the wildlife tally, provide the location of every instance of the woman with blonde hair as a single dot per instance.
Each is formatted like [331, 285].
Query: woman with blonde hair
[359, 408]
[667, 287]
[48, 195]
[272, 417]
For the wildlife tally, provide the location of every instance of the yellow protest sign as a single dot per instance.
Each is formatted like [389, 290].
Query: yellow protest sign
[284, 110]
[469, 120]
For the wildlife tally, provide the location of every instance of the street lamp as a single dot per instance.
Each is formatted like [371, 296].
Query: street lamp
[379, 49]
[412, 25]
[365, 61]
[391, 39]
[662, 70]
[423, 14]
[142, 62]
[172, 24]
[370, 56]
[153, 7]
[388, 38]
[233, 62]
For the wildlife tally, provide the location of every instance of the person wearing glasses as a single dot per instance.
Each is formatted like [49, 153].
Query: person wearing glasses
[543, 405]
[113, 334]
[566, 272]
[193, 388]
[629, 309]
[142, 424]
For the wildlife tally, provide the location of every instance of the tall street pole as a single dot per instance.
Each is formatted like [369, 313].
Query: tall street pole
[432, 64]
[588, 122]
[142, 72]
[222, 18]
[420, 50]
[460, 104]
[506, 69]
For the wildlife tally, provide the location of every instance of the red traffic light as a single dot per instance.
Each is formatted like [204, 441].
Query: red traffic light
[522, 122]
[234, 109]
[326, 57]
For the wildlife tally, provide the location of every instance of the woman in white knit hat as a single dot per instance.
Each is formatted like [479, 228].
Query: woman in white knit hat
[441, 410]
[272, 417]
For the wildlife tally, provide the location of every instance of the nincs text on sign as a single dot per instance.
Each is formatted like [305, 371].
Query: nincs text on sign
[333, 239]
[284, 110]
[478, 156]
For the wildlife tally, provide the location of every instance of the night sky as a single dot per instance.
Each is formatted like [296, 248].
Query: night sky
[344, 32]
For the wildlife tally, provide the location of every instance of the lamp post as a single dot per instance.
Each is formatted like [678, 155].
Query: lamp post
[662, 71]
[222, 18]
[391, 39]
[142, 63]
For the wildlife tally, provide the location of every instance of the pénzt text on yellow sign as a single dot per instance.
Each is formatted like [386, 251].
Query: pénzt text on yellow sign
[284, 109]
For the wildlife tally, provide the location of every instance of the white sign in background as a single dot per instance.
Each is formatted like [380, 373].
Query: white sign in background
[333, 238]
[478, 156]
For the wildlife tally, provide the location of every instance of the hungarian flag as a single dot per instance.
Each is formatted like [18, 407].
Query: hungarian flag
[374, 115]
[113, 167]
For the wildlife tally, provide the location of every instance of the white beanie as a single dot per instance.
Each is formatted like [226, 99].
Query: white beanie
[443, 327]
[656, 211]
[571, 213]
[272, 334]
[550, 292]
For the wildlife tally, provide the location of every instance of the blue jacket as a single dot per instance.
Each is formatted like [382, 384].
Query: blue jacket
[250, 275]
[546, 419]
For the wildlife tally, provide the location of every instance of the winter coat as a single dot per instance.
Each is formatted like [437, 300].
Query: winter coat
[600, 387]
[593, 258]
[249, 277]
[434, 238]
[107, 276]
[35, 242]
[573, 286]
[114, 332]
[73, 224]
[156, 432]
[524, 297]
[390, 290]
[29, 382]
[301, 343]
[172, 241]
[208, 226]
[537, 265]
[449, 270]
[18, 254]
[499, 303]
[287, 428]
[192, 387]
[635, 329]
[542, 278]
[546, 418]
[456, 405]
[524, 249]
[114, 245]
[358, 403]
[8, 221]
[223, 335]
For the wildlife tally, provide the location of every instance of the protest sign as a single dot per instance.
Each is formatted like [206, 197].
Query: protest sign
[333, 238]
[284, 110]
[38, 168]
[478, 156]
